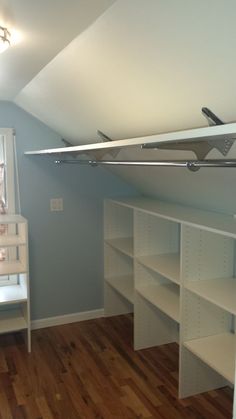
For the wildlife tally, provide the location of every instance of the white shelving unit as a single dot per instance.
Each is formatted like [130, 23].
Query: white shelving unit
[10, 294]
[219, 291]
[14, 294]
[177, 266]
[208, 309]
[165, 297]
[124, 245]
[12, 321]
[213, 349]
[157, 292]
[167, 265]
[124, 285]
[118, 251]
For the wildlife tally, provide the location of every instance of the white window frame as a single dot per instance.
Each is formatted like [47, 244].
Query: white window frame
[9, 158]
[8, 134]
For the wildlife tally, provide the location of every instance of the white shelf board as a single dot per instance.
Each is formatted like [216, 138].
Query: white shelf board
[11, 240]
[10, 294]
[220, 223]
[124, 245]
[11, 268]
[167, 265]
[12, 320]
[221, 292]
[165, 297]
[12, 219]
[217, 351]
[205, 133]
[124, 285]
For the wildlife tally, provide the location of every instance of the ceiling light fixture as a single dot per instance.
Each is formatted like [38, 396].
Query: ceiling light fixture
[4, 39]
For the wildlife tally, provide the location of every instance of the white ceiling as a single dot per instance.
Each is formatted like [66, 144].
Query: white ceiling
[45, 27]
[143, 67]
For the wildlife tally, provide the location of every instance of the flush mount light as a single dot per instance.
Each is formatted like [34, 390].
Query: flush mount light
[4, 39]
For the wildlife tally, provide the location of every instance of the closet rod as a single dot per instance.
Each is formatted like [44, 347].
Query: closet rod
[192, 165]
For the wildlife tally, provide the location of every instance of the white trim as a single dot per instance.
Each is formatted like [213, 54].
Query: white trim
[16, 175]
[7, 134]
[10, 173]
[67, 318]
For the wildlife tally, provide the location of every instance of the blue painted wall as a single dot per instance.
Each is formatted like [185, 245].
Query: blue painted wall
[66, 248]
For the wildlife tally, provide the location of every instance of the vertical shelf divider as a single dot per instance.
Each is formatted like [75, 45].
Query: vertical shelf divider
[118, 256]
[153, 321]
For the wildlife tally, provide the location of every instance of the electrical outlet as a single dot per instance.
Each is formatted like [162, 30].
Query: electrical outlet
[56, 204]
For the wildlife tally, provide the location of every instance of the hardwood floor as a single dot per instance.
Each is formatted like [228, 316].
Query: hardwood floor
[89, 370]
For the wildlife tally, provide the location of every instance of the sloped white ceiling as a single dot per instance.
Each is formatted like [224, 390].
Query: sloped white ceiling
[39, 30]
[144, 67]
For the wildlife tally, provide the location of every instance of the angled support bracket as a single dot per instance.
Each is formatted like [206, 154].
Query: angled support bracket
[97, 154]
[200, 148]
[106, 139]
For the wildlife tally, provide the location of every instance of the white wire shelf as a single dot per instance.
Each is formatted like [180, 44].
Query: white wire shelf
[124, 285]
[165, 297]
[217, 351]
[124, 245]
[167, 265]
[221, 292]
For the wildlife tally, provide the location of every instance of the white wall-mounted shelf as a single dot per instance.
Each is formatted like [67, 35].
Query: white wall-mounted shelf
[208, 220]
[165, 297]
[12, 321]
[206, 133]
[11, 294]
[167, 265]
[124, 245]
[184, 263]
[217, 351]
[219, 291]
[124, 285]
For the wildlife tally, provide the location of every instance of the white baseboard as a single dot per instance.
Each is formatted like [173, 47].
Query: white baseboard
[67, 318]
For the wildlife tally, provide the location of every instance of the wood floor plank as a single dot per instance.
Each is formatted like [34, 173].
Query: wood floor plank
[5, 410]
[89, 370]
[44, 408]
